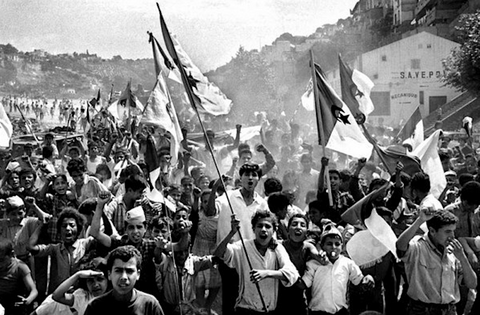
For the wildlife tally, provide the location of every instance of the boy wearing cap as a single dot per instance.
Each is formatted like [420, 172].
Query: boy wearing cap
[329, 282]
[135, 228]
[124, 266]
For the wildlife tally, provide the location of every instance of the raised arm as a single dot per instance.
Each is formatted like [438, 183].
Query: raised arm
[222, 247]
[104, 239]
[321, 177]
[269, 160]
[404, 239]
[236, 142]
[60, 294]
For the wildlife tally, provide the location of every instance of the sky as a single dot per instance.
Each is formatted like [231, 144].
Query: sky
[210, 31]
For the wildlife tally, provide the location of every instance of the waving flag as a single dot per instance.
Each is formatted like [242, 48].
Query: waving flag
[126, 105]
[6, 128]
[342, 132]
[427, 152]
[159, 111]
[356, 88]
[207, 96]
[413, 129]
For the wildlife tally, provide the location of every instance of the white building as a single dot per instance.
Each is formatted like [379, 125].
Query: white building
[407, 74]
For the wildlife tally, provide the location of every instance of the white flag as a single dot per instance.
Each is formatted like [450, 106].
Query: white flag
[6, 128]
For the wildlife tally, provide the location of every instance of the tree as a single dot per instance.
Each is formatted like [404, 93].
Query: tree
[9, 49]
[462, 66]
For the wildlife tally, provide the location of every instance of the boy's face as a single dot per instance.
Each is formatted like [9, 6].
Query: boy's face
[97, 285]
[163, 232]
[135, 232]
[245, 158]
[450, 181]
[332, 246]
[27, 181]
[124, 275]
[179, 220]
[16, 215]
[249, 180]
[176, 195]
[443, 235]
[204, 199]
[187, 186]
[297, 231]
[263, 231]
[334, 181]
[69, 230]
[315, 216]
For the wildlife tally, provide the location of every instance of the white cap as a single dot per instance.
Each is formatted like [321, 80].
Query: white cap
[135, 215]
[15, 202]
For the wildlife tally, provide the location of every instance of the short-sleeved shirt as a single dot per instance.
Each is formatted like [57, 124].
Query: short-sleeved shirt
[91, 188]
[143, 304]
[329, 283]
[80, 302]
[11, 282]
[432, 276]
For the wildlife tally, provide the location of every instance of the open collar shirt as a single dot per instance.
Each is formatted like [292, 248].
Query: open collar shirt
[432, 276]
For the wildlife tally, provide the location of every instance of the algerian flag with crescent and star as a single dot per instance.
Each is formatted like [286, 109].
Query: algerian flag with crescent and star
[342, 133]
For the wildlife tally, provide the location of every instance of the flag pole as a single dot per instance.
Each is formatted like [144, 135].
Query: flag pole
[191, 99]
[377, 149]
[320, 130]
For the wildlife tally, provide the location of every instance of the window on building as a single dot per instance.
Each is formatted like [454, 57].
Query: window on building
[421, 98]
[415, 63]
[429, 46]
[382, 103]
[375, 76]
[384, 57]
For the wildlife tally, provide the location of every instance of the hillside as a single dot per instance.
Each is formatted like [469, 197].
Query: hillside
[40, 74]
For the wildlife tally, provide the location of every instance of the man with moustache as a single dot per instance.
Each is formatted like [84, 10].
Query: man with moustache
[245, 202]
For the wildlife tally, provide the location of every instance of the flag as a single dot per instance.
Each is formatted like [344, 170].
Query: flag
[88, 122]
[391, 155]
[6, 128]
[341, 131]
[94, 101]
[356, 214]
[151, 160]
[203, 94]
[159, 111]
[166, 66]
[413, 129]
[427, 152]
[307, 100]
[366, 247]
[127, 105]
[467, 124]
[356, 88]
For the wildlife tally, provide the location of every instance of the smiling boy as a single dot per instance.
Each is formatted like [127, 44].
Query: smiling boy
[123, 272]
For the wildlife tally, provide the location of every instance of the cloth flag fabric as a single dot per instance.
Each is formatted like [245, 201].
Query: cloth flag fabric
[127, 102]
[151, 160]
[368, 246]
[6, 128]
[427, 152]
[356, 214]
[167, 65]
[390, 156]
[307, 100]
[159, 111]
[467, 124]
[342, 132]
[413, 130]
[356, 88]
[207, 96]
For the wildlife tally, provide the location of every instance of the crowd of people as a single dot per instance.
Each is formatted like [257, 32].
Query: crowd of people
[86, 229]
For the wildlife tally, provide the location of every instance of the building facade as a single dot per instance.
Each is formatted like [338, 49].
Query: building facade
[407, 74]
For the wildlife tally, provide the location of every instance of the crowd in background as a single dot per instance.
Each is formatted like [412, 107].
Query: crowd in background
[71, 209]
